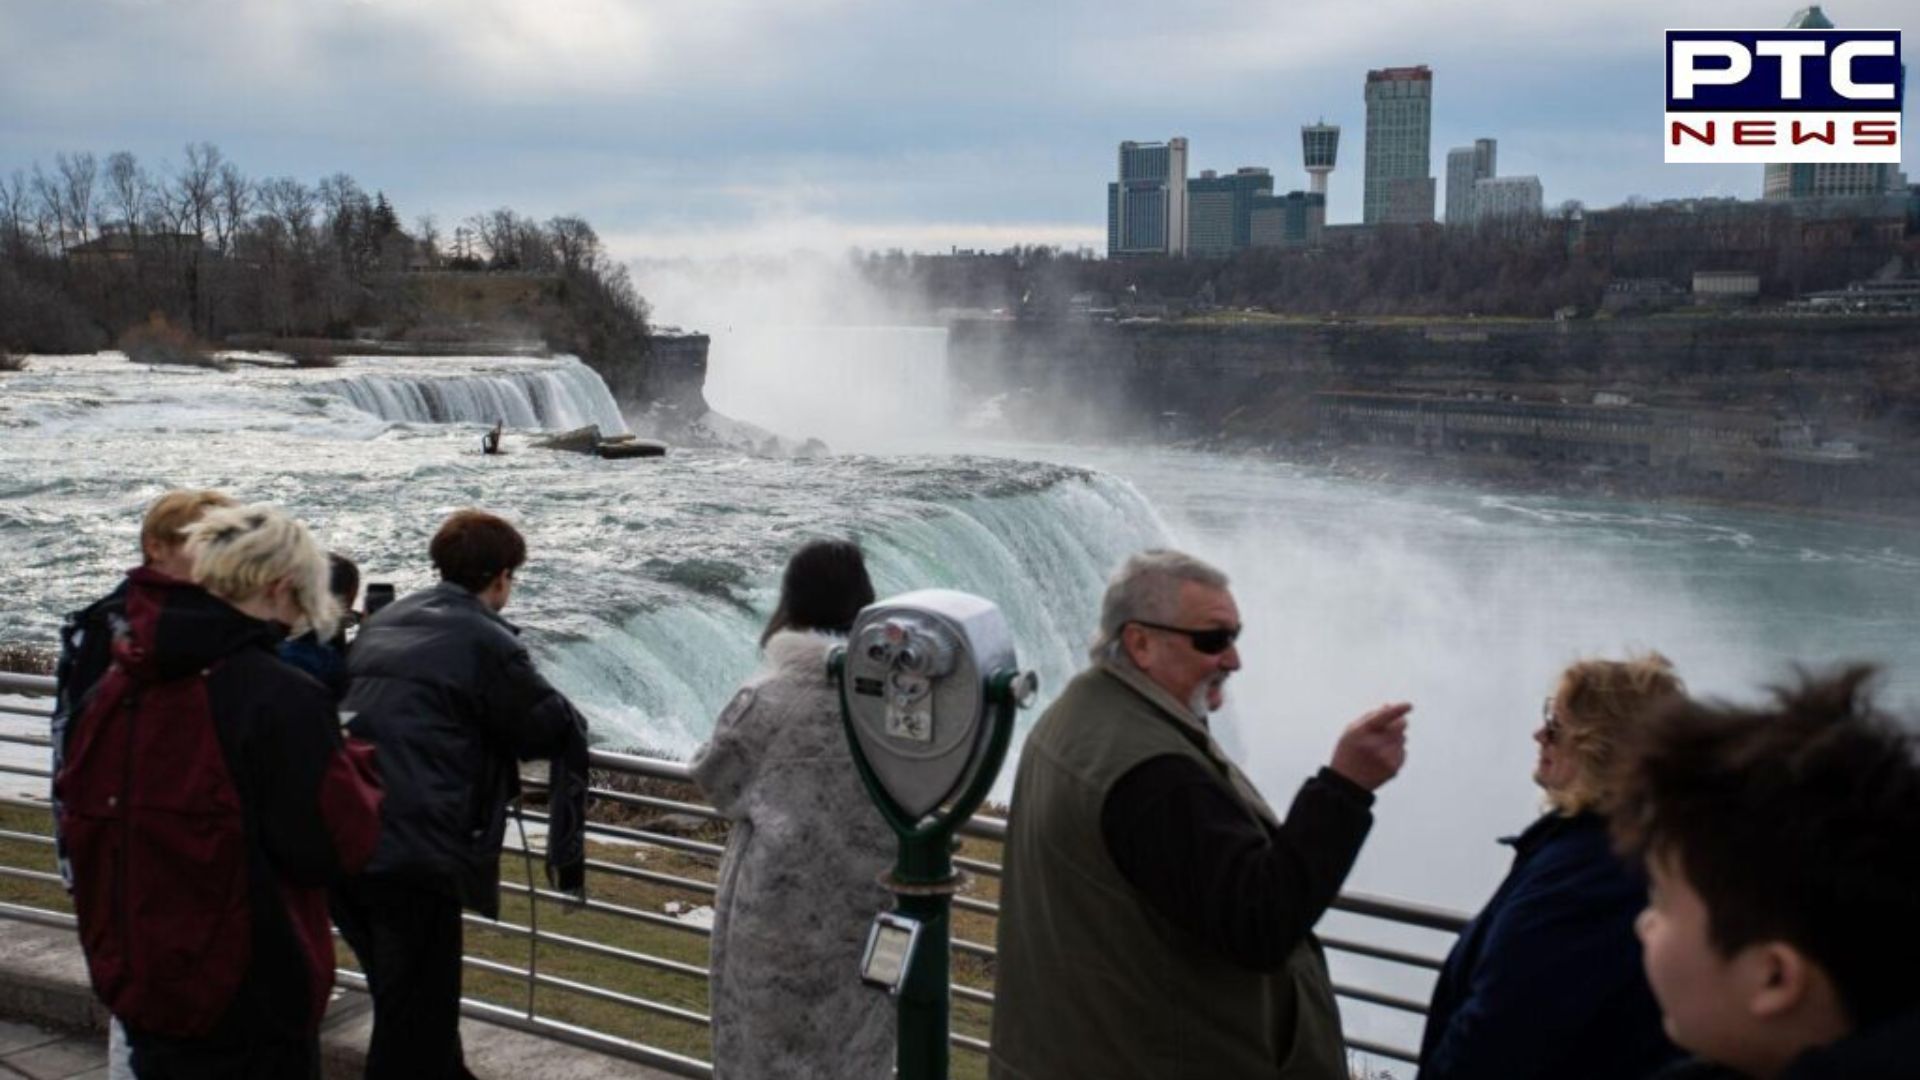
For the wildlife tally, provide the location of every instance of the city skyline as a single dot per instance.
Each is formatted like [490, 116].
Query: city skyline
[837, 123]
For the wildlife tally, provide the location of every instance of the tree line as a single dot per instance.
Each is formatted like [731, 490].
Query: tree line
[1533, 268]
[92, 247]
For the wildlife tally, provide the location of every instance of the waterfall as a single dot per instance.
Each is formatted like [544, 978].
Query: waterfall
[557, 398]
[657, 680]
[865, 388]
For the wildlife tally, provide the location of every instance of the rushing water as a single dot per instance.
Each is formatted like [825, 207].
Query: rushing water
[1464, 601]
[649, 579]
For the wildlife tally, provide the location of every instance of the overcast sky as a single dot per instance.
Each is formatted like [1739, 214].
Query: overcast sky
[681, 127]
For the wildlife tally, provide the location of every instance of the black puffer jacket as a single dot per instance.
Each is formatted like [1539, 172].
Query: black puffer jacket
[444, 689]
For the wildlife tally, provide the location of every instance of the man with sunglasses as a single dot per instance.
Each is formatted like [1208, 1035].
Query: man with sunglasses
[1156, 915]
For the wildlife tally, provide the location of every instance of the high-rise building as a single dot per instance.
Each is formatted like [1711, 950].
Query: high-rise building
[1824, 181]
[1147, 205]
[1465, 165]
[1319, 146]
[1296, 219]
[1503, 198]
[1831, 180]
[1218, 209]
[1399, 181]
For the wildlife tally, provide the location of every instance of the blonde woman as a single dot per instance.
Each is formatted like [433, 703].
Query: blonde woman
[1546, 981]
[208, 800]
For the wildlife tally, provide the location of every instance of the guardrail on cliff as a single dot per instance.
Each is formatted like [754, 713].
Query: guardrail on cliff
[628, 975]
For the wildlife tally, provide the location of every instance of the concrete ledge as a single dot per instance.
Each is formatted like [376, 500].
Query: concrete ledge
[43, 980]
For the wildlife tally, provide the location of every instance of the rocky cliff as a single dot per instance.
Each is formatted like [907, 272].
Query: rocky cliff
[1806, 382]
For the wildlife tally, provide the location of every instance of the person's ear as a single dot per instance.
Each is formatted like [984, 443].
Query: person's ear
[1778, 978]
[1137, 643]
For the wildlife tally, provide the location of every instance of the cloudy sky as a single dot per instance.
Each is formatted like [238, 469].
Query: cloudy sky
[700, 126]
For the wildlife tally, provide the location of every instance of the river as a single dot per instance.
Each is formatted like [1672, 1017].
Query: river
[649, 579]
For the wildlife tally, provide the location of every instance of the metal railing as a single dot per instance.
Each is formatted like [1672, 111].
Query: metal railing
[630, 979]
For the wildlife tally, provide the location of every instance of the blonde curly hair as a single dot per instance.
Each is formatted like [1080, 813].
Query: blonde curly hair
[1600, 704]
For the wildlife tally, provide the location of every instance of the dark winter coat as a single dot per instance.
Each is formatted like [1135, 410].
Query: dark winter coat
[86, 651]
[307, 808]
[326, 661]
[447, 693]
[1886, 1051]
[1546, 981]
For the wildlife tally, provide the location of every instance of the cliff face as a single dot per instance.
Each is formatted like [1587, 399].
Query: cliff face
[671, 372]
[1268, 385]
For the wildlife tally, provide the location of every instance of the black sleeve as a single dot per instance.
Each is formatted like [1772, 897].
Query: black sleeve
[1205, 864]
[526, 712]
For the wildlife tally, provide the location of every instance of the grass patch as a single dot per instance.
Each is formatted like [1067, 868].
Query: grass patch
[24, 659]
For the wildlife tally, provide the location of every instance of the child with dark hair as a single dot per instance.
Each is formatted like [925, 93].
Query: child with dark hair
[1782, 933]
[326, 658]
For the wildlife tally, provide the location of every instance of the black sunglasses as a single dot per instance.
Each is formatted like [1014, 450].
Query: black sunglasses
[1212, 641]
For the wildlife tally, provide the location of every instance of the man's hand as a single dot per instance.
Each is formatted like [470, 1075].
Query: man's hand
[1373, 748]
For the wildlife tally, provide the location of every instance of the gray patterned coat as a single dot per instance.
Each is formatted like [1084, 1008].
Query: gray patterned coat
[797, 886]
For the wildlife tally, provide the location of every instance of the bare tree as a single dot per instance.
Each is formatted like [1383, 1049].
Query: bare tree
[426, 231]
[195, 189]
[340, 196]
[233, 199]
[575, 245]
[15, 206]
[531, 247]
[497, 233]
[293, 204]
[129, 189]
[50, 211]
[77, 174]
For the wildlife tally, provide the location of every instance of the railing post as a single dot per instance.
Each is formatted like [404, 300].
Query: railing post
[924, 881]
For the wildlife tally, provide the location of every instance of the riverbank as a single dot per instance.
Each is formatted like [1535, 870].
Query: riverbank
[1500, 476]
[1816, 415]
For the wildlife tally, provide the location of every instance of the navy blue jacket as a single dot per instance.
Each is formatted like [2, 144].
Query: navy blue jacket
[1884, 1051]
[1546, 981]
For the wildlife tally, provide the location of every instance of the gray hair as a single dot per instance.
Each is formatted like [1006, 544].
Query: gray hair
[1146, 588]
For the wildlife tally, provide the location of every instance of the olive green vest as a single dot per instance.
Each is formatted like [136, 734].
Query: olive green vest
[1091, 981]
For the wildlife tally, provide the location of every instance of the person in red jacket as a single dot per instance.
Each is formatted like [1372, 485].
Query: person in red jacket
[208, 800]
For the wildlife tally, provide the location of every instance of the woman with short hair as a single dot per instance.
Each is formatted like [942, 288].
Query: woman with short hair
[202, 899]
[1546, 981]
[799, 883]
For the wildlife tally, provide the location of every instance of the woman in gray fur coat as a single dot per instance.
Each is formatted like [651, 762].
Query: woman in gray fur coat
[799, 882]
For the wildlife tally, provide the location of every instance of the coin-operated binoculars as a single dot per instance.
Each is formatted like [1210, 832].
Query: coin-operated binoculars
[928, 689]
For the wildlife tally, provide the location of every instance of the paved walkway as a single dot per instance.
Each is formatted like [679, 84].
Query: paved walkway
[38, 1053]
[45, 999]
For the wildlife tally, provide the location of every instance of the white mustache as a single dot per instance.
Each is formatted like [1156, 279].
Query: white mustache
[1197, 701]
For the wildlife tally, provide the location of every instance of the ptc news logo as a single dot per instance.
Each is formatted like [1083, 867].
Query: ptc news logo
[1789, 96]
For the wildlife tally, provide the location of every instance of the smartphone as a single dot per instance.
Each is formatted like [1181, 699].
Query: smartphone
[379, 595]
